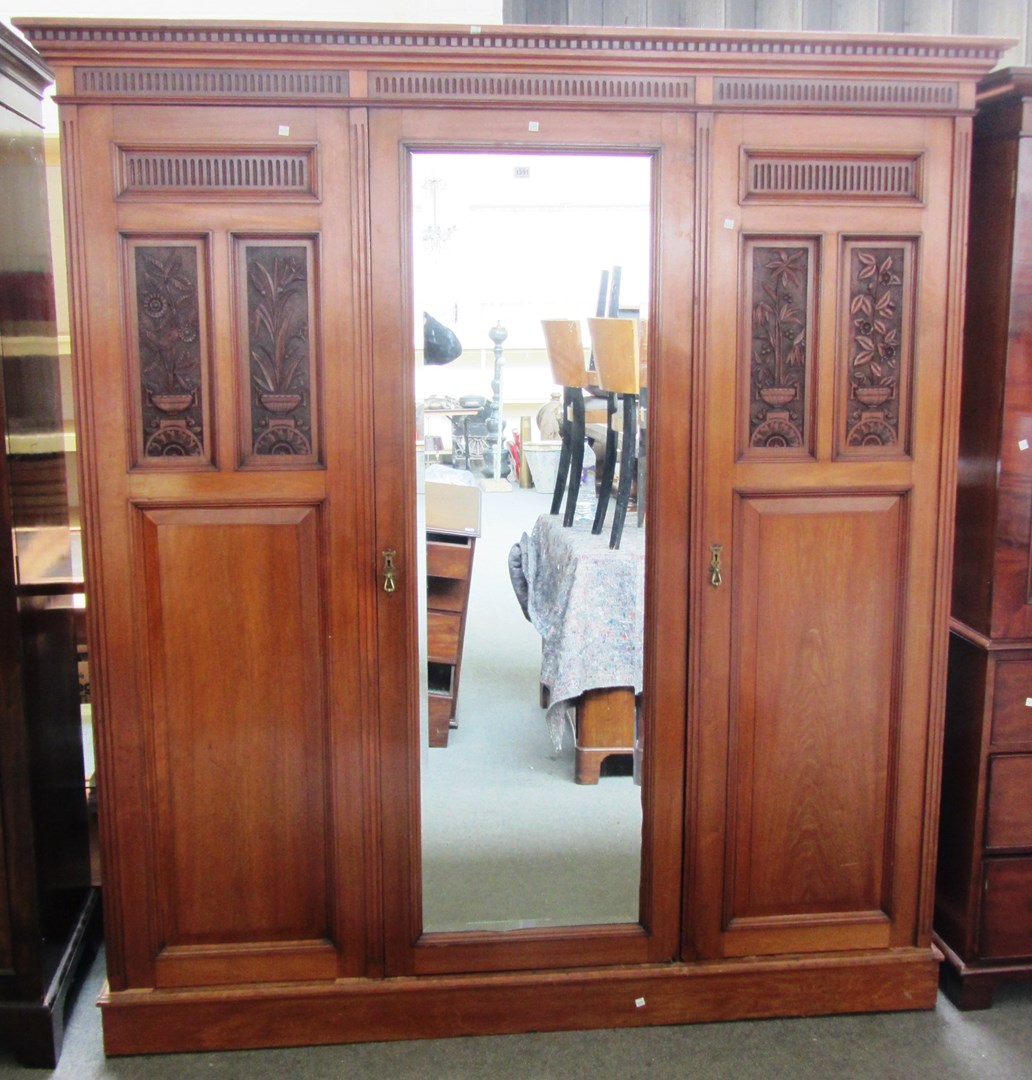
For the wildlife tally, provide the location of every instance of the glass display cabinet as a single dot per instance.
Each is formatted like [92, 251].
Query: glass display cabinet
[49, 908]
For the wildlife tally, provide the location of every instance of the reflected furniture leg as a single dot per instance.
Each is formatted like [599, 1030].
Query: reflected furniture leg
[564, 462]
[34, 1031]
[575, 425]
[604, 726]
[628, 466]
[608, 468]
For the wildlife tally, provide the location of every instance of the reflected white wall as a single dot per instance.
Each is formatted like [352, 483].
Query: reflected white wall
[517, 238]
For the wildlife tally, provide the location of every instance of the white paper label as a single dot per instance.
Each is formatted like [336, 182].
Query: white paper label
[729, 223]
[639, 1003]
[533, 126]
[1023, 444]
[1028, 703]
[284, 130]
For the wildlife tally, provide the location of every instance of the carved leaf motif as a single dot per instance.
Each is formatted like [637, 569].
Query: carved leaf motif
[861, 304]
[868, 265]
[875, 303]
[278, 348]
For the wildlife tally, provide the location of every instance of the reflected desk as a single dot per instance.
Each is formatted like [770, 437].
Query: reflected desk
[587, 602]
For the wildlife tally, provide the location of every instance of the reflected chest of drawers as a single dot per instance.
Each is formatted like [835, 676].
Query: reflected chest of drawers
[449, 566]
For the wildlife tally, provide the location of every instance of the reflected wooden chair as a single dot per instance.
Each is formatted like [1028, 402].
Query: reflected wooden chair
[566, 357]
[608, 304]
[614, 343]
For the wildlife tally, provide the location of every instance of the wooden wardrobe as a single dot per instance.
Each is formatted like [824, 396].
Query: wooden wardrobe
[256, 686]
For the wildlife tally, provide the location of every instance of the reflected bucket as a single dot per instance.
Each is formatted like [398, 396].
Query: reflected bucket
[543, 459]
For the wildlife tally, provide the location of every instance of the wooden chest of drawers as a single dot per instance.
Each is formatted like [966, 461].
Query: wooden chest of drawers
[449, 567]
[983, 911]
[983, 915]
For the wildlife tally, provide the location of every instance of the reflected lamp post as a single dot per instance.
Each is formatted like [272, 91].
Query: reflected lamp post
[495, 427]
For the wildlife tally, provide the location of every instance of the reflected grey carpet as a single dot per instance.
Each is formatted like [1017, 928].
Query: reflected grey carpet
[509, 839]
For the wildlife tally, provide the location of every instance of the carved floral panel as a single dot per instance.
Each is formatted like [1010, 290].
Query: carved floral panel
[279, 372]
[877, 348]
[780, 306]
[169, 353]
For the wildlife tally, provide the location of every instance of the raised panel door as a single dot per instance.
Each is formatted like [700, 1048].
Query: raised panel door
[814, 698]
[234, 618]
[816, 608]
[224, 416]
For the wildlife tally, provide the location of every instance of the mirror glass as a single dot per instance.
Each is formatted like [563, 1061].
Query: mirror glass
[531, 798]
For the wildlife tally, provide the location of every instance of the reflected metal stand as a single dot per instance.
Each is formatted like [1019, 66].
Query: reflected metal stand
[495, 426]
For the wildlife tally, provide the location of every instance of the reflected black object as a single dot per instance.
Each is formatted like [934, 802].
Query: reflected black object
[440, 345]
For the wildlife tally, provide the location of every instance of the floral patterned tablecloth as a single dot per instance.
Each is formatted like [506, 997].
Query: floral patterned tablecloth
[587, 602]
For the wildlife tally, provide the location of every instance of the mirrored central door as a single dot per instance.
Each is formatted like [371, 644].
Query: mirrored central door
[522, 827]
[531, 814]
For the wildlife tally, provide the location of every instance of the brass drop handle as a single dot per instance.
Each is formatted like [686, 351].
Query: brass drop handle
[390, 571]
[716, 577]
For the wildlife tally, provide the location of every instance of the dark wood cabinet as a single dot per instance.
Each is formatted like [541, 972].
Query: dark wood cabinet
[257, 686]
[983, 916]
[49, 911]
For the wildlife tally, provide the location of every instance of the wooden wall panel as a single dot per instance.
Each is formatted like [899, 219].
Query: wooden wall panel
[994, 18]
[696, 12]
[770, 14]
[239, 721]
[607, 12]
[849, 16]
[816, 698]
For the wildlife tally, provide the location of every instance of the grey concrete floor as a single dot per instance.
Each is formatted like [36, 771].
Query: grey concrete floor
[943, 1043]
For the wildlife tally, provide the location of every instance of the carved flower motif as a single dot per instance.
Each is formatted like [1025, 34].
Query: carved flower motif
[168, 319]
[155, 306]
[779, 331]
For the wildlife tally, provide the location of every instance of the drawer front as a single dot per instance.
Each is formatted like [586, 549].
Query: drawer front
[1007, 910]
[446, 594]
[443, 636]
[1012, 702]
[449, 560]
[1009, 817]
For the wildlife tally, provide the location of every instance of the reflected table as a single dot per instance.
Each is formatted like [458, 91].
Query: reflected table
[587, 602]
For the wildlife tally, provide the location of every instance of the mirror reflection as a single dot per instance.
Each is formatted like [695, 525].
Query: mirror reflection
[531, 287]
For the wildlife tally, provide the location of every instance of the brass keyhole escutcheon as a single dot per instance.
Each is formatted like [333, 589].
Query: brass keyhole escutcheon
[390, 571]
[716, 576]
